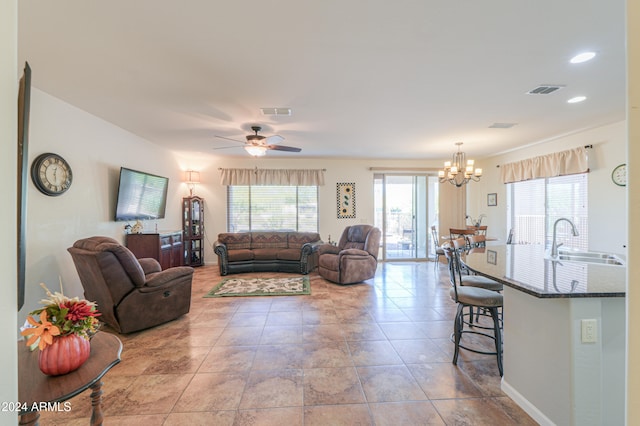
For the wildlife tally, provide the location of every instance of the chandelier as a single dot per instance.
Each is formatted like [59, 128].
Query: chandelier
[459, 170]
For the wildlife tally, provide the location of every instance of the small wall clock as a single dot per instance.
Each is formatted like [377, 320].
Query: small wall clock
[51, 174]
[619, 175]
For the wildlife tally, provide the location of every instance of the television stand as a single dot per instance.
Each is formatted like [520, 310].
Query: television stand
[165, 247]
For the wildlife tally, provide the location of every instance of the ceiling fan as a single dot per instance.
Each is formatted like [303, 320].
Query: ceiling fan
[258, 145]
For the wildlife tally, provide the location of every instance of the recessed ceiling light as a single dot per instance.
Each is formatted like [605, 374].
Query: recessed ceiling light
[577, 99]
[583, 57]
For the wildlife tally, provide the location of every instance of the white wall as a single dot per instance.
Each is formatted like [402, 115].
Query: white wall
[607, 201]
[8, 171]
[95, 150]
[337, 170]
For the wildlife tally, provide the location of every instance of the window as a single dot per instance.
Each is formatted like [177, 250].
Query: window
[535, 205]
[272, 208]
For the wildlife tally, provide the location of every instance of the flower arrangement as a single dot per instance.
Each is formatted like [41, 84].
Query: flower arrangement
[61, 316]
[477, 222]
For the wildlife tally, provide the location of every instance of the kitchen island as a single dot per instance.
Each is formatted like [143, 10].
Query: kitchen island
[549, 369]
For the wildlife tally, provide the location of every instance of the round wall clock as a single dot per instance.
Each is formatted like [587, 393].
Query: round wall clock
[619, 175]
[51, 174]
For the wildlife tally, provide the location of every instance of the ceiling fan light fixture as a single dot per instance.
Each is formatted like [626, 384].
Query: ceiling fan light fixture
[256, 151]
[254, 138]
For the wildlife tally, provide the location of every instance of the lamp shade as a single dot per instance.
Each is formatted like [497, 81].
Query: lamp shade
[191, 176]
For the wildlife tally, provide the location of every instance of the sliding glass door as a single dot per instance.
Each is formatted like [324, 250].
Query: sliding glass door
[401, 205]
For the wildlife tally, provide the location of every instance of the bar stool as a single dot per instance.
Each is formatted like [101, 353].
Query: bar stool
[460, 244]
[473, 297]
[473, 280]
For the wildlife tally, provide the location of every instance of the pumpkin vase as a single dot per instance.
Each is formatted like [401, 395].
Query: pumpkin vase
[66, 354]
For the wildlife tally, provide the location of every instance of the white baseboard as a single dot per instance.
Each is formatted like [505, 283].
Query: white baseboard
[524, 403]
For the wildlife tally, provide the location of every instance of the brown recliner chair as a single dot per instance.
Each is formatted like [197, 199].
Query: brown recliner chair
[354, 259]
[132, 294]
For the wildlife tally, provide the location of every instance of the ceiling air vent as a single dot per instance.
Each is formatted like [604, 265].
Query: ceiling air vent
[545, 89]
[502, 125]
[276, 111]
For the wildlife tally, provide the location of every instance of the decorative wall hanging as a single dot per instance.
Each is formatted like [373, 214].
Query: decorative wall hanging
[346, 200]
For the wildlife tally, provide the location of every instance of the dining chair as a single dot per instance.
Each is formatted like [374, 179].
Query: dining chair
[461, 233]
[478, 230]
[510, 236]
[478, 298]
[478, 240]
[436, 246]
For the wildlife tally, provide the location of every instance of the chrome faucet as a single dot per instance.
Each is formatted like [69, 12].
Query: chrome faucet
[555, 245]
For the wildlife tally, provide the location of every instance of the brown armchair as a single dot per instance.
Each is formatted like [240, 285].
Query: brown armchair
[354, 259]
[132, 294]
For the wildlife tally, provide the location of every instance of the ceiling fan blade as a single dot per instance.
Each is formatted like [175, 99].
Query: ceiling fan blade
[274, 139]
[225, 147]
[284, 148]
[229, 139]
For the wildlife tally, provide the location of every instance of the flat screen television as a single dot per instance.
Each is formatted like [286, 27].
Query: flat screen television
[141, 196]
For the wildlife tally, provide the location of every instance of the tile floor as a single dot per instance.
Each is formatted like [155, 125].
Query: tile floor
[376, 353]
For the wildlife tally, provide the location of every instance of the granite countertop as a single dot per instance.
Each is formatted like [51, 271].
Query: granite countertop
[524, 268]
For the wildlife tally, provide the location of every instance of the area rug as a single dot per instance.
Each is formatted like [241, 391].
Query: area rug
[261, 287]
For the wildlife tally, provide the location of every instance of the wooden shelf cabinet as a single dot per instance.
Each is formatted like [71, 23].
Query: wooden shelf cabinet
[193, 229]
[165, 247]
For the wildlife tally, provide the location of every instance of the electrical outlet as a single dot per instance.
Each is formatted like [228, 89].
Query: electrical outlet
[589, 331]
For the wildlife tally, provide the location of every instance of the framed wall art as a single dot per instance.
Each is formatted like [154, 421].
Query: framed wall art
[492, 199]
[346, 200]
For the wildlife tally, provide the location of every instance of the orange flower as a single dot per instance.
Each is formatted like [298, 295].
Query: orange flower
[43, 330]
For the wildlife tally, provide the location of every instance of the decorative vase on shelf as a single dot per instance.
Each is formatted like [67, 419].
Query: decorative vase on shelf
[66, 354]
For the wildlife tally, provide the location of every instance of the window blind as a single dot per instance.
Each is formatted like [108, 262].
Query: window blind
[535, 205]
[272, 208]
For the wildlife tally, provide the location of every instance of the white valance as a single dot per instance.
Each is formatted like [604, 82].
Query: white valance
[561, 163]
[285, 177]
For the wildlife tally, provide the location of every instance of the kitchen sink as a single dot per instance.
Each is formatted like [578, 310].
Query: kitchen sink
[589, 257]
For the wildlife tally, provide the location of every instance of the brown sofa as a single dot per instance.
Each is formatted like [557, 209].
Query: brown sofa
[132, 294]
[354, 259]
[294, 252]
